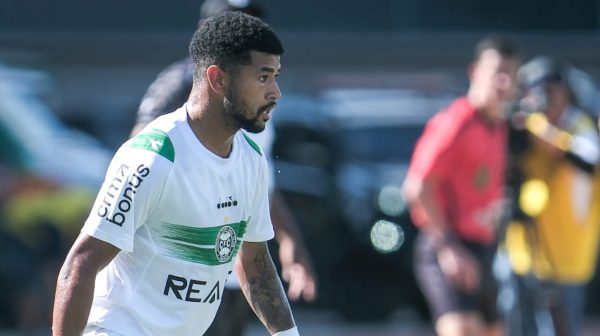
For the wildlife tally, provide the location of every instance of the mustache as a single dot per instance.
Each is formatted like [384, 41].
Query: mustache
[267, 107]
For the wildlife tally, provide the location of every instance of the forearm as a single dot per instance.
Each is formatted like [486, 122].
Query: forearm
[287, 233]
[73, 300]
[284, 223]
[262, 287]
[436, 225]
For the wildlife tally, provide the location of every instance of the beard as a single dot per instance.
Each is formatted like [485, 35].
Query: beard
[236, 111]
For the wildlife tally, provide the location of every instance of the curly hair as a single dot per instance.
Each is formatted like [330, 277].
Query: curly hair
[227, 39]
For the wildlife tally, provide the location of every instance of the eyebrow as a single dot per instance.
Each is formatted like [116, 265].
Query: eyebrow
[269, 69]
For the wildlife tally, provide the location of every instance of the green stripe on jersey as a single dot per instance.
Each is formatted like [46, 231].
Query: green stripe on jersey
[156, 141]
[252, 143]
[208, 246]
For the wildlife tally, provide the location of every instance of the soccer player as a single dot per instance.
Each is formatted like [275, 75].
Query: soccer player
[168, 92]
[454, 188]
[182, 200]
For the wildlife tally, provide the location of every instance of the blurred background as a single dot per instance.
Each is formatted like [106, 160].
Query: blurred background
[359, 80]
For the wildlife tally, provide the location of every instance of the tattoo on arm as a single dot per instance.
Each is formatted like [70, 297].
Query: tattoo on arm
[266, 295]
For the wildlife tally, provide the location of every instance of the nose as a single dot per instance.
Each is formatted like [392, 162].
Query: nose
[274, 92]
[504, 81]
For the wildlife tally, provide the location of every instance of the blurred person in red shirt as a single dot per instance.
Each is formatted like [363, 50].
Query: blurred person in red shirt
[454, 188]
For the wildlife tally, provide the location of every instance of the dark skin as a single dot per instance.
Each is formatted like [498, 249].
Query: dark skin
[215, 129]
[262, 287]
[75, 284]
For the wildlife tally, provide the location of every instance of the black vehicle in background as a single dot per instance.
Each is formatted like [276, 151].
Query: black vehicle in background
[340, 159]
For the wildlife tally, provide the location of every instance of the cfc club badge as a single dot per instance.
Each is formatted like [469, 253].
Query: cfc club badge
[482, 177]
[225, 243]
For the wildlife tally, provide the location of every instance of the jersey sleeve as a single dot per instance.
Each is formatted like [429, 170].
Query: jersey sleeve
[435, 151]
[261, 228]
[133, 185]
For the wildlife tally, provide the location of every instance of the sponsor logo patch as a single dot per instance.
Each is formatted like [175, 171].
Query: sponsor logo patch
[229, 202]
[118, 198]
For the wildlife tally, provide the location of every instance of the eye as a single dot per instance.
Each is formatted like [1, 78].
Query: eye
[263, 78]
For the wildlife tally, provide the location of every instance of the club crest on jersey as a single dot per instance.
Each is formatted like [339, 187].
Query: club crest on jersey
[482, 177]
[225, 243]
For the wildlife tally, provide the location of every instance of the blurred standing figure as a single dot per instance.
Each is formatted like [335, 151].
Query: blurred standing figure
[167, 93]
[454, 188]
[552, 240]
[181, 200]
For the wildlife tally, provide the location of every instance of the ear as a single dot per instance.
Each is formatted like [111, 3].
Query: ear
[217, 79]
[471, 69]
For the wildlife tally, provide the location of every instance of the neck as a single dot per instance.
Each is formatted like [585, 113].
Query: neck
[492, 112]
[209, 128]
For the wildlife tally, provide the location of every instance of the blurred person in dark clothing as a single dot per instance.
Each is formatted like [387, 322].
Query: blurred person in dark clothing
[167, 93]
[552, 239]
[454, 188]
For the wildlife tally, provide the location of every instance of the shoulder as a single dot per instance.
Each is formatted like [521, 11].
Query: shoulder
[176, 77]
[177, 71]
[157, 138]
[167, 92]
[457, 113]
[448, 123]
[264, 139]
[149, 156]
[250, 143]
[252, 154]
[155, 141]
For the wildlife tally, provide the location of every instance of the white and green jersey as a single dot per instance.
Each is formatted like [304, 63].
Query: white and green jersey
[179, 214]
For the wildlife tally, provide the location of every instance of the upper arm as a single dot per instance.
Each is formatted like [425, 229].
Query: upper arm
[131, 190]
[415, 186]
[89, 255]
